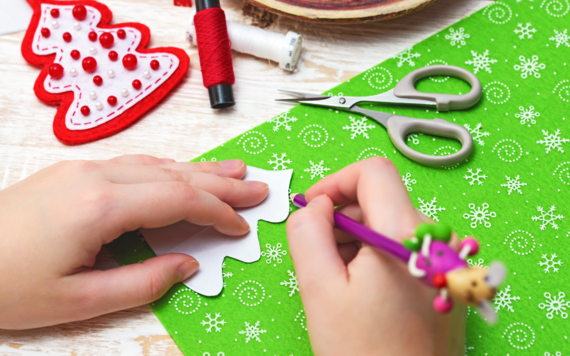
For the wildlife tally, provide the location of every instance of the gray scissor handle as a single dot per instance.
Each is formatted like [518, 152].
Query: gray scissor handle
[400, 126]
[406, 88]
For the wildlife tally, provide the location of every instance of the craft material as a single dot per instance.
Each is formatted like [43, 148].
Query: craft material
[183, 3]
[15, 17]
[214, 50]
[513, 193]
[400, 127]
[102, 75]
[283, 49]
[210, 247]
[430, 258]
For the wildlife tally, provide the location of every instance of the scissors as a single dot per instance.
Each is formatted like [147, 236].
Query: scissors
[400, 126]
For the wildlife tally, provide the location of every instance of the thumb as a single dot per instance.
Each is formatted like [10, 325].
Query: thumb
[129, 286]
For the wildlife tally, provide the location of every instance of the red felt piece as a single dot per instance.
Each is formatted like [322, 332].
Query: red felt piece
[65, 99]
[184, 3]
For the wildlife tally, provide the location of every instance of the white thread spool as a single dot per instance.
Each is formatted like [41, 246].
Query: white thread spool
[283, 49]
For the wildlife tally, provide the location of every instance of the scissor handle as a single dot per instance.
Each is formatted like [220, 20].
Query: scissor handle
[406, 88]
[400, 126]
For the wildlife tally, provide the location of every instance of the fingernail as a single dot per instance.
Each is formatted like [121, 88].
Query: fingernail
[231, 163]
[167, 160]
[244, 222]
[257, 185]
[186, 270]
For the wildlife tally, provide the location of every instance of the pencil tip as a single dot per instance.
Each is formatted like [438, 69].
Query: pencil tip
[292, 196]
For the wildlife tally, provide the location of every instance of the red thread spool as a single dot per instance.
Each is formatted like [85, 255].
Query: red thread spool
[214, 49]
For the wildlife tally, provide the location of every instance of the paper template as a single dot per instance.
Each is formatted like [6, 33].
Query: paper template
[15, 16]
[210, 247]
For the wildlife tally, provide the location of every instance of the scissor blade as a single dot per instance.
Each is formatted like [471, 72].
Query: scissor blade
[301, 96]
[389, 98]
[317, 99]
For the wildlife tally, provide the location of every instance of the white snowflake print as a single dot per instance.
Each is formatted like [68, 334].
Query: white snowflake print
[561, 38]
[549, 263]
[457, 37]
[553, 141]
[476, 133]
[481, 61]
[252, 332]
[467, 349]
[473, 177]
[547, 217]
[358, 127]
[555, 305]
[415, 138]
[227, 274]
[292, 283]
[317, 170]
[525, 31]
[279, 162]
[273, 253]
[479, 263]
[527, 115]
[406, 56]
[529, 66]
[408, 181]
[558, 353]
[514, 185]
[480, 215]
[282, 120]
[503, 299]
[430, 209]
[213, 322]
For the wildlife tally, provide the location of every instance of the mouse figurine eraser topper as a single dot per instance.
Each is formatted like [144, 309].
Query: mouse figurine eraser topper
[439, 266]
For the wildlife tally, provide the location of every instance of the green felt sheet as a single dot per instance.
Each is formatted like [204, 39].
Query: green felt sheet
[512, 193]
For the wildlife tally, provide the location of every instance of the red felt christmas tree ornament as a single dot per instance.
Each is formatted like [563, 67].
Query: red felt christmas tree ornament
[101, 75]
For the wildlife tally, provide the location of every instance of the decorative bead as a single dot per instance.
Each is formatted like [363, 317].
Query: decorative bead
[73, 72]
[154, 64]
[45, 32]
[85, 110]
[98, 106]
[146, 74]
[92, 36]
[89, 64]
[121, 34]
[112, 100]
[124, 92]
[473, 245]
[130, 61]
[137, 84]
[79, 12]
[75, 54]
[111, 73]
[54, 24]
[113, 56]
[77, 26]
[67, 37]
[92, 95]
[92, 50]
[54, 13]
[106, 39]
[97, 80]
[439, 281]
[441, 305]
[55, 71]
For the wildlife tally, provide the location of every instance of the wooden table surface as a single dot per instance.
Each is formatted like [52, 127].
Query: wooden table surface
[182, 127]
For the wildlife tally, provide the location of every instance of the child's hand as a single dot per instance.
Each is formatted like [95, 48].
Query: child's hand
[53, 223]
[360, 301]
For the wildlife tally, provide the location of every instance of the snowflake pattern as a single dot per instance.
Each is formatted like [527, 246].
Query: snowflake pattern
[406, 56]
[477, 134]
[467, 349]
[547, 217]
[549, 263]
[317, 170]
[408, 181]
[292, 283]
[561, 38]
[480, 215]
[457, 37]
[282, 120]
[279, 162]
[514, 185]
[252, 332]
[227, 274]
[480, 263]
[553, 141]
[529, 66]
[476, 176]
[430, 209]
[213, 322]
[504, 299]
[481, 61]
[273, 253]
[525, 30]
[358, 127]
[527, 115]
[555, 306]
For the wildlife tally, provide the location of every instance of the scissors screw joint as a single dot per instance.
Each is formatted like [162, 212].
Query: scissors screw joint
[342, 100]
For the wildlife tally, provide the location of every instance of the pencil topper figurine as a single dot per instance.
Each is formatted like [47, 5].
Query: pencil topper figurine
[438, 265]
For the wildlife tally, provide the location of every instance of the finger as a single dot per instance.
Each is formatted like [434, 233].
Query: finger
[313, 247]
[152, 205]
[140, 160]
[348, 251]
[101, 292]
[353, 211]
